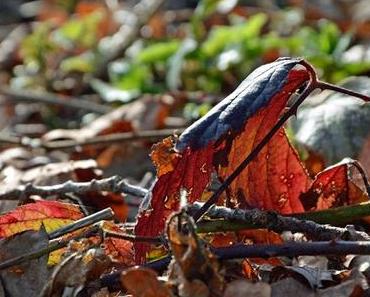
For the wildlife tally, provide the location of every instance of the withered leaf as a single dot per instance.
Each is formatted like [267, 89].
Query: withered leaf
[29, 276]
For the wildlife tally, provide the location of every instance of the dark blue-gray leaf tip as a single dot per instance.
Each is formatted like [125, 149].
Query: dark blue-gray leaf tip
[232, 112]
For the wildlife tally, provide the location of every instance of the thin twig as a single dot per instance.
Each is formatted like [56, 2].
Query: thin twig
[363, 174]
[239, 251]
[55, 99]
[134, 238]
[149, 135]
[255, 218]
[53, 246]
[105, 214]
[113, 184]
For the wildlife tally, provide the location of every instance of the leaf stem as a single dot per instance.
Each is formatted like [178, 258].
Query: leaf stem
[53, 246]
[105, 214]
[327, 86]
[54, 99]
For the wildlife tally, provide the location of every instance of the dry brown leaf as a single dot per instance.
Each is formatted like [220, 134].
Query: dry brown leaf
[242, 288]
[29, 276]
[143, 282]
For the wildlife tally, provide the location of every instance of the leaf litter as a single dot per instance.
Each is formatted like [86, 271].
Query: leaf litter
[98, 257]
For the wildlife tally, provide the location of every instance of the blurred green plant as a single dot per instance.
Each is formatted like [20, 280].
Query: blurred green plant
[210, 58]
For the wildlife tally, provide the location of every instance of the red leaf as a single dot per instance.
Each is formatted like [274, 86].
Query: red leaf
[120, 251]
[246, 115]
[52, 214]
[332, 188]
[275, 179]
[220, 141]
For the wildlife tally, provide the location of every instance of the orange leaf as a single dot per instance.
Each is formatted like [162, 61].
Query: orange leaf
[120, 251]
[163, 156]
[143, 282]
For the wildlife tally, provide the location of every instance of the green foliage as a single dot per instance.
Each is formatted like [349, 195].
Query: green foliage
[36, 46]
[211, 57]
[79, 32]
[226, 36]
[158, 52]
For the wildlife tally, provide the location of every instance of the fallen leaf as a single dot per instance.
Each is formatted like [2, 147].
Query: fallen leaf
[144, 114]
[332, 188]
[120, 251]
[291, 287]
[76, 270]
[29, 276]
[143, 282]
[195, 268]
[247, 114]
[241, 288]
[220, 141]
[315, 278]
[51, 214]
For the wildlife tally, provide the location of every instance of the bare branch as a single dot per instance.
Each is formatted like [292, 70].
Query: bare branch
[149, 135]
[134, 238]
[294, 249]
[152, 135]
[113, 184]
[237, 219]
[240, 251]
[54, 99]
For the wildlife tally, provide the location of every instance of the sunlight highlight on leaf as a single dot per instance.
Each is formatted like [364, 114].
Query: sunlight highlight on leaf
[52, 214]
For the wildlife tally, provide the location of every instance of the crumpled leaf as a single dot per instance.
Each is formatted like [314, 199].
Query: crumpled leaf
[335, 125]
[213, 142]
[332, 188]
[195, 268]
[51, 214]
[76, 270]
[241, 288]
[364, 156]
[311, 276]
[292, 287]
[28, 276]
[143, 282]
[119, 250]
